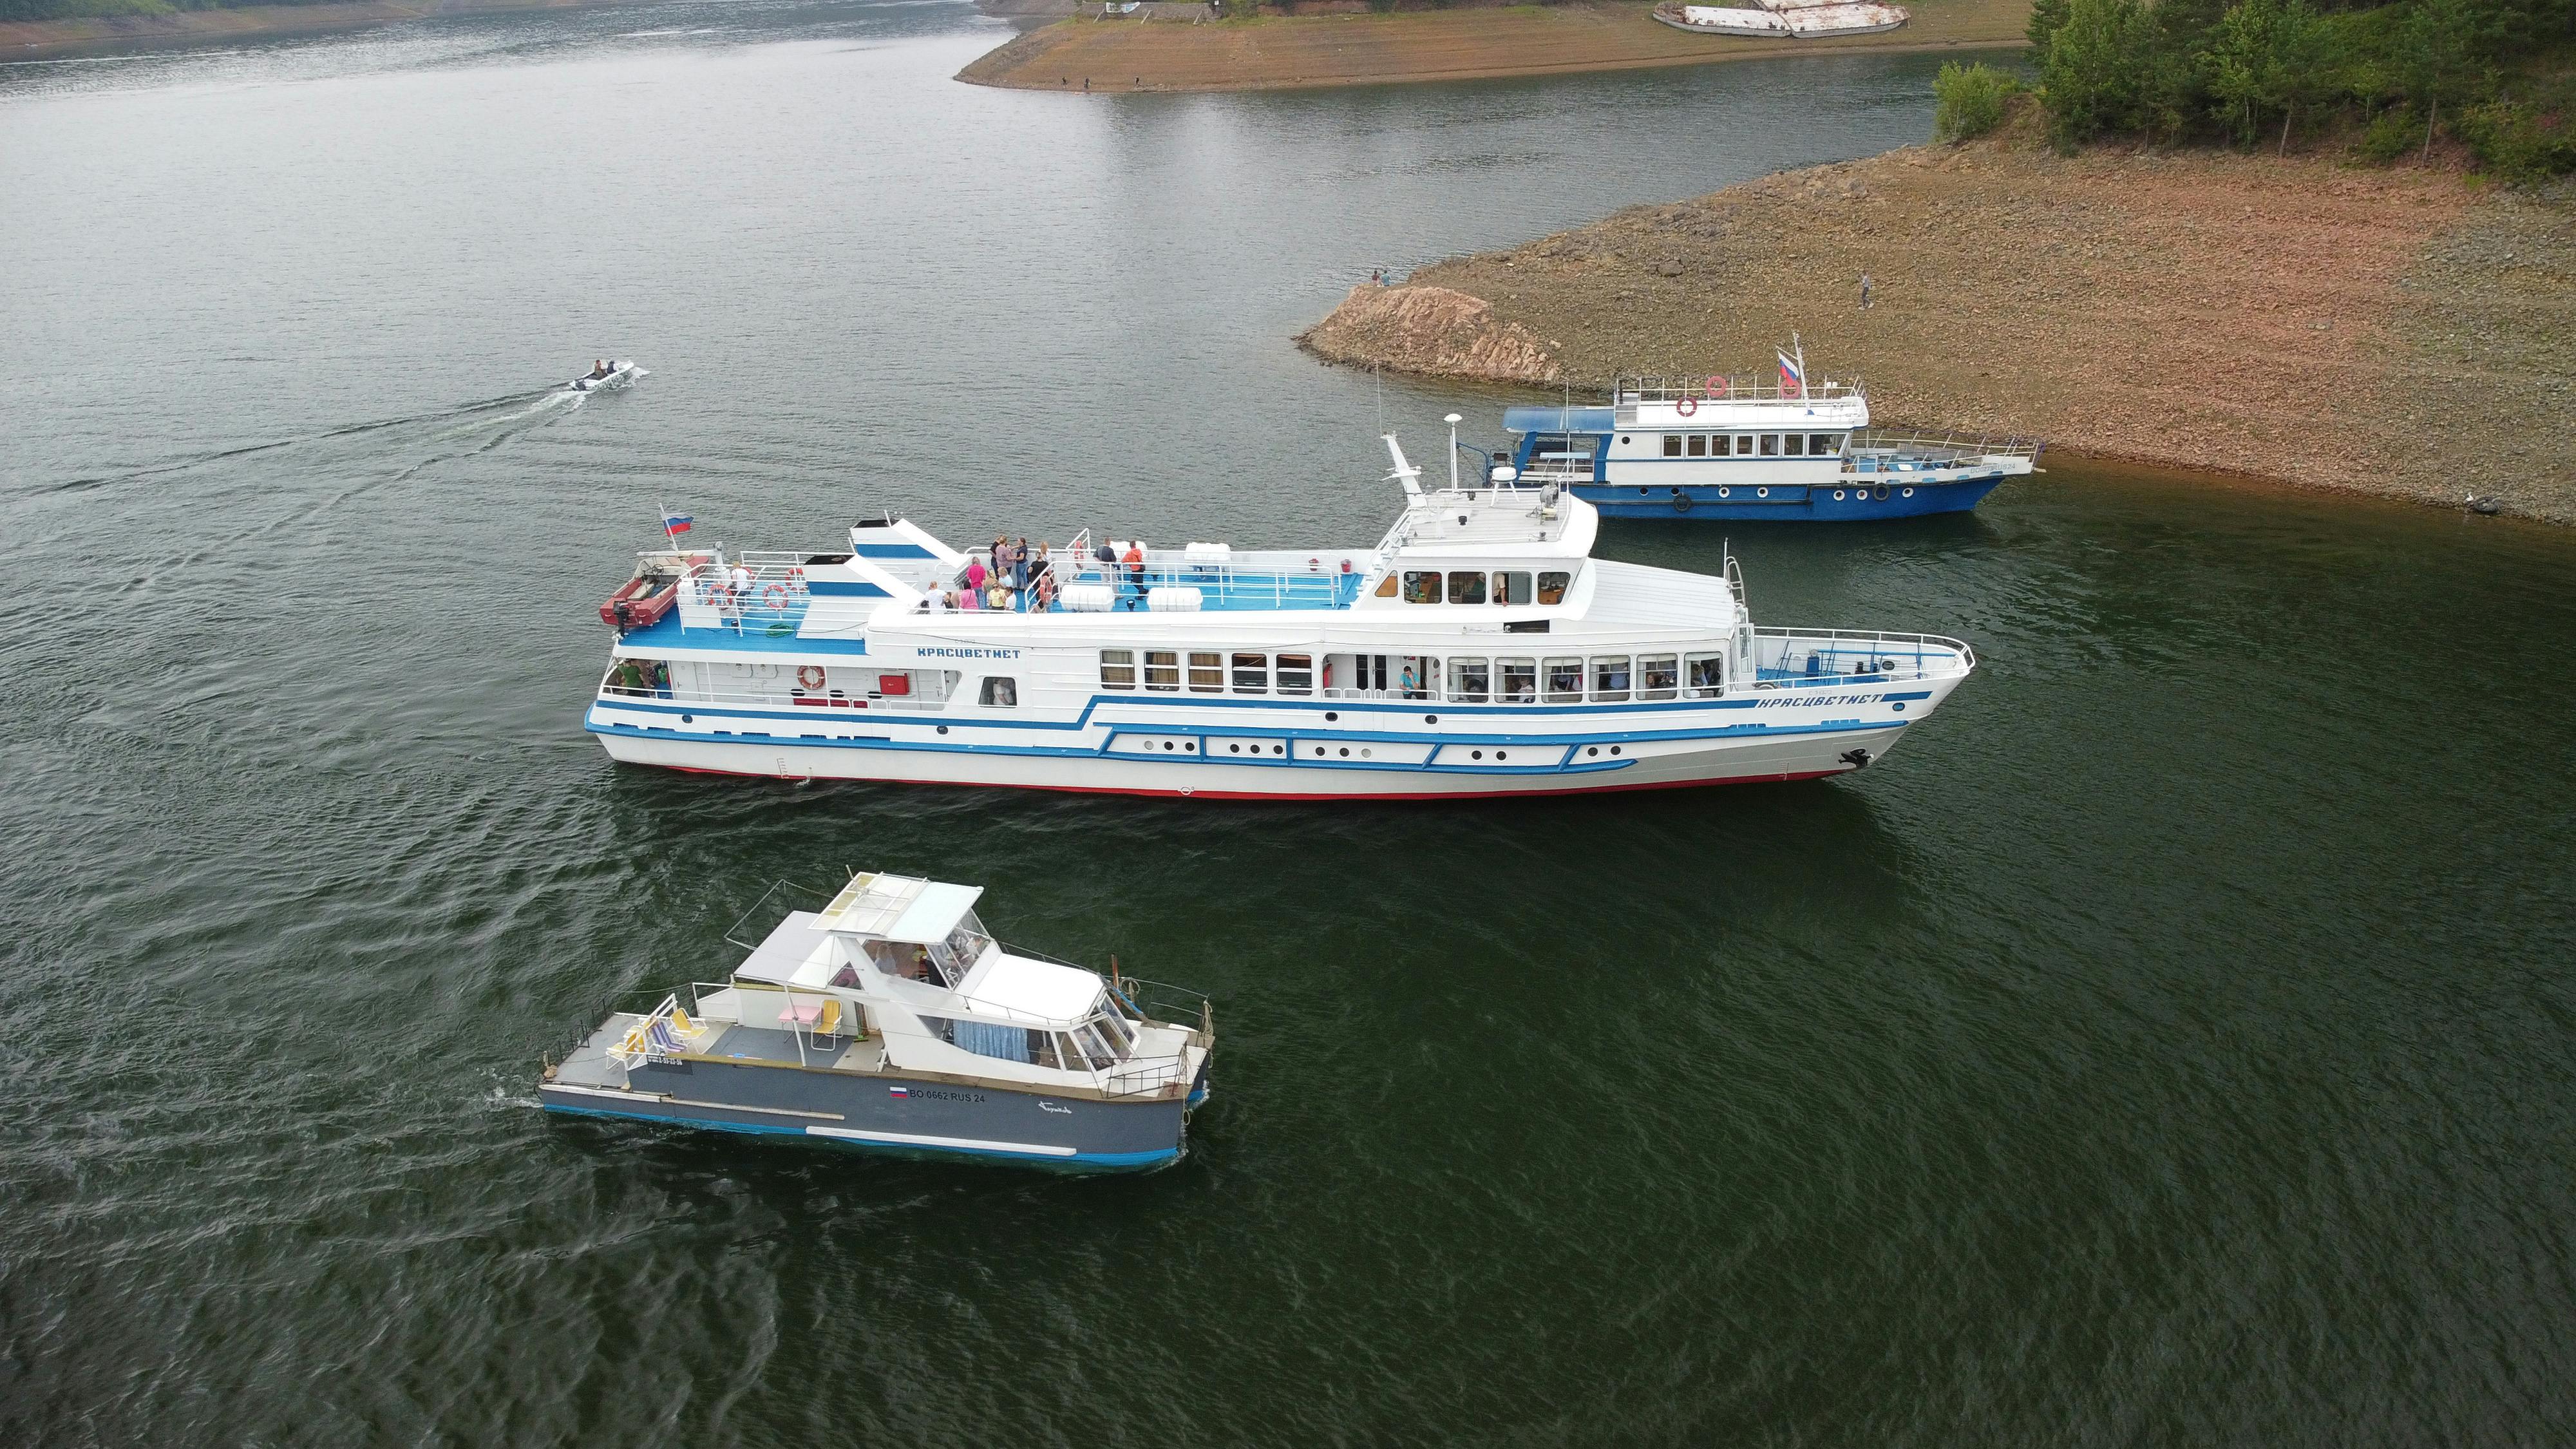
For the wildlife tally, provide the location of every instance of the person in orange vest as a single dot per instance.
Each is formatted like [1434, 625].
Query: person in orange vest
[1135, 562]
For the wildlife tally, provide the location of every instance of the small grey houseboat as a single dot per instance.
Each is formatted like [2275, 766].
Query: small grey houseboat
[892, 1019]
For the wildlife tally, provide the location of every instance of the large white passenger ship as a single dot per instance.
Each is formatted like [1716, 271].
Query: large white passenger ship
[1477, 649]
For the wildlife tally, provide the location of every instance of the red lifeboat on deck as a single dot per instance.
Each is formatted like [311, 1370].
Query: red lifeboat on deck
[641, 604]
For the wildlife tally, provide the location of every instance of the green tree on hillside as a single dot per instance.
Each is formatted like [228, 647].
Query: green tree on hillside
[2437, 54]
[2094, 65]
[2266, 55]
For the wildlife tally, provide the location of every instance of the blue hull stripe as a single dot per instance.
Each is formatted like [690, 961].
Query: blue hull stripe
[1095, 1159]
[1087, 752]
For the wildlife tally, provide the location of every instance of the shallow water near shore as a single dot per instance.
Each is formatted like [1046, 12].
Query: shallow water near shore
[2169, 1043]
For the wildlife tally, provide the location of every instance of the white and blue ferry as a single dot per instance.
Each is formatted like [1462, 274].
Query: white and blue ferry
[1477, 649]
[1749, 448]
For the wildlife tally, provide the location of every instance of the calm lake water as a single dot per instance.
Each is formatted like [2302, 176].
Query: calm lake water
[2170, 1044]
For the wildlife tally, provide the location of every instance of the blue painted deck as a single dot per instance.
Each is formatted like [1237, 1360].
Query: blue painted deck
[755, 636]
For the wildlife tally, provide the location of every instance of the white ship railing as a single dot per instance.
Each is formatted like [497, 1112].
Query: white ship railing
[1725, 387]
[1800, 658]
[820, 705]
[1942, 449]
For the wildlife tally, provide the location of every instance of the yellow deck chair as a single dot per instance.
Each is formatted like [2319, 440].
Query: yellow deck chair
[829, 1023]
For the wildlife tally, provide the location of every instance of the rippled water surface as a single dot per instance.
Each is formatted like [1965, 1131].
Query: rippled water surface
[2170, 1044]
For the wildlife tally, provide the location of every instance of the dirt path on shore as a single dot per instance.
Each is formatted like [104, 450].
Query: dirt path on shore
[2396, 332]
[1419, 45]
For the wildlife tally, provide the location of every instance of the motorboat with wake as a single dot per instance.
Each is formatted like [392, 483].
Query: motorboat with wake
[892, 1020]
[606, 373]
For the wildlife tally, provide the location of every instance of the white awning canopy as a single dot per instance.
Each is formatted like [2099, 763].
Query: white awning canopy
[1016, 986]
[898, 908]
[792, 955]
[933, 913]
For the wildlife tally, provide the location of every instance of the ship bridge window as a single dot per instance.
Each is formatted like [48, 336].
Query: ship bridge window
[1699, 445]
[1466, 587]
[1770, 445]
[1252, 674]
[1551, 588]
[1118, 669]
[1162, 670]
[1672, 445]
[1511, 588]
[1469, 680]
[1706, 675]
[1795, 445]
[1421, 588]
[1824, 445]
[1658, 676]
[1610, 678]
[1519, 681]
[1565, 681]
[1207, 674]
[1296, 674]
[1000, 692]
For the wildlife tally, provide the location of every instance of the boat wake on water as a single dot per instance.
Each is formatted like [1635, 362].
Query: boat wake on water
[513, 412]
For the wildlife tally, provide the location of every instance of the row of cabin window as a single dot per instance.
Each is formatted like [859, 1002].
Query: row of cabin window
[1771, 445]
[1471, 586]
[1470, 681]
[1207, 671]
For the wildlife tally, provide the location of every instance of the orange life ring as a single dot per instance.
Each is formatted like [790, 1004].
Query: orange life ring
[1687, 406]
[774, 596]
[810, 675]
[1717, 387]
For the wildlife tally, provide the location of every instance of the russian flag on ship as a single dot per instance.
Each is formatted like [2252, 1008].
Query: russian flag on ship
[899, 1091]
[1791, 378]
[676, 522]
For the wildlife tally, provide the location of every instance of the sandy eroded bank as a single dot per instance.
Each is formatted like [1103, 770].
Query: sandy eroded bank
[1419, 45]
[2393, 332]
[91, 35]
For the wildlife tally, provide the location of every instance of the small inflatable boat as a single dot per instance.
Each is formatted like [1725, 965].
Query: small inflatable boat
[608, 374]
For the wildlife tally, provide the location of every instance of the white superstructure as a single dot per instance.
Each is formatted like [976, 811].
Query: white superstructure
[1477, 649]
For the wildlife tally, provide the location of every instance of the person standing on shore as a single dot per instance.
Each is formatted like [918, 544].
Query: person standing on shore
[1864, 291]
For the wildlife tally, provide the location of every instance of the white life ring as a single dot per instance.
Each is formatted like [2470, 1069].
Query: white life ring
[810, 675]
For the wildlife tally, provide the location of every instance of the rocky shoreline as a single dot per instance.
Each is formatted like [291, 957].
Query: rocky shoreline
[2395, 332]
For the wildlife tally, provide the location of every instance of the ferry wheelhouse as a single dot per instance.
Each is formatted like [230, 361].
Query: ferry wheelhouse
[891, 1019]
[1477, 649]
[1750, 448]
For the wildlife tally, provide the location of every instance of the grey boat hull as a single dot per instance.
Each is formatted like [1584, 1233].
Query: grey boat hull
[881, 1111]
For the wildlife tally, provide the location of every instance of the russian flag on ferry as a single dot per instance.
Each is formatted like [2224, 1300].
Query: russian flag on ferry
[676, 522]
[1790, 377]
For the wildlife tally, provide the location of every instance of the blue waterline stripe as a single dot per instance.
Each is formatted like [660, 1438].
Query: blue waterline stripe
[1103, 1159]
[1201, 734]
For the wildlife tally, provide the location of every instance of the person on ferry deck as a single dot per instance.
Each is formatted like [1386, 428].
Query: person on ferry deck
[971, 599]
[661, 679]
[1020, 563]
[1411, 689]
[629, 678]
[1135, 562]
[741, 583]
[975, 574]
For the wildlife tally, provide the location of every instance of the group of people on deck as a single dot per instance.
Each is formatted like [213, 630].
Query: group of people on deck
[1008, 576]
